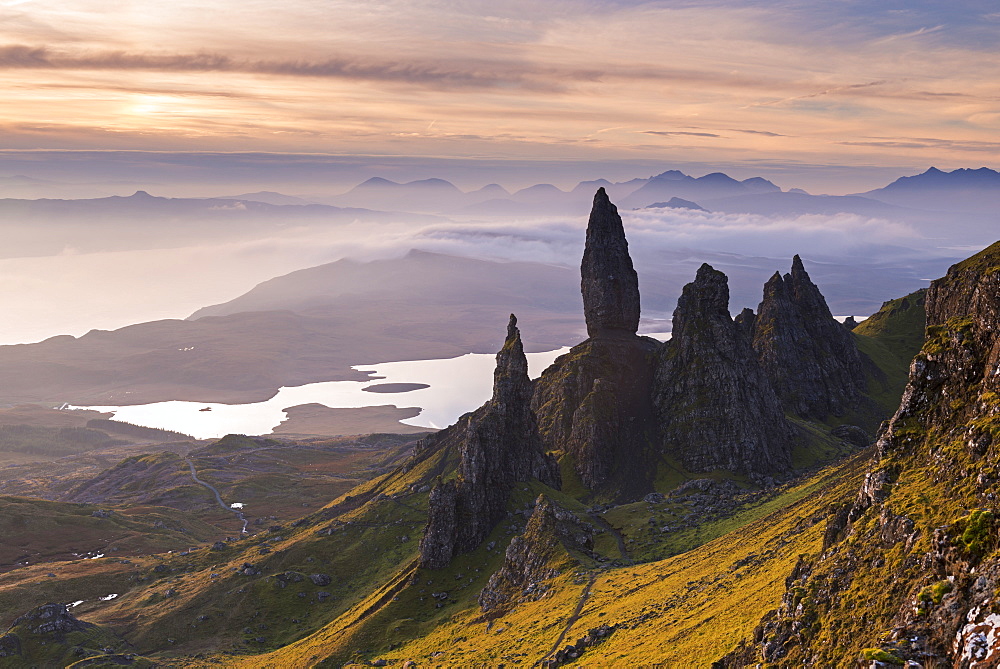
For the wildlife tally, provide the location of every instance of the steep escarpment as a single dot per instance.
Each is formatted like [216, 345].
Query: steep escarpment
[918, 551]
[715, 406]
[499, 445]
[811, 359]
[594, 404]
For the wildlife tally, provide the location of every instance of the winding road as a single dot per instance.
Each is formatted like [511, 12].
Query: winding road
[218, 497]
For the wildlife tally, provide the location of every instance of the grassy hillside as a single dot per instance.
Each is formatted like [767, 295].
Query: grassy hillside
[662, 608]
[37, 531]
[892, 337]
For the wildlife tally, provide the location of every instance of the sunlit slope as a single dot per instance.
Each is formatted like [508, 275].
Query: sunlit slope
[918, 551]
[691, 608]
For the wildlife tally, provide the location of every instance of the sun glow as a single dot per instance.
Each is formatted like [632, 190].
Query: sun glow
[149, 105]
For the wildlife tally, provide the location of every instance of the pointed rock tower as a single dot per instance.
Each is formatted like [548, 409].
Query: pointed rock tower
[810, 358]
[715, 406]
[594, 403]
[608, 281]
[499, 446]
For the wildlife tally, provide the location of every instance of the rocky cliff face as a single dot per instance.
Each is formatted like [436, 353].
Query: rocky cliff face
[715, 407]
[811, 360]
[609, 283]
[499, 445]
[918, 551]
[595, 405]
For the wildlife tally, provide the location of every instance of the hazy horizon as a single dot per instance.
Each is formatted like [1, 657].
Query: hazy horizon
[310, 99]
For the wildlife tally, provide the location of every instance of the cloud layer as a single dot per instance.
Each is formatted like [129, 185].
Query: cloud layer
[718, 81]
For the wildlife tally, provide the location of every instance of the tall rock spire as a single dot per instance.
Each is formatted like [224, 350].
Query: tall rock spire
[609, 283]
[499, 446]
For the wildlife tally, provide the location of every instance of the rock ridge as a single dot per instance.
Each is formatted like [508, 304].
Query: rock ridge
[534, 556]
[811, 360]
[498, 445]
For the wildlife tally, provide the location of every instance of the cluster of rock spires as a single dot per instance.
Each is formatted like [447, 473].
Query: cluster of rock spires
[715, 406]
[714, 397]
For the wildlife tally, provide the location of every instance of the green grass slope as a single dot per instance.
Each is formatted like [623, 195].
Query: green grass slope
[687, 609]
[40, 531]
[891, 337]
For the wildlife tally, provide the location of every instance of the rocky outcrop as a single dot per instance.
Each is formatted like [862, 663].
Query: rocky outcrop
[811, 359]
[51, 636]
[715, 407]
[498, 445]
[52, 620]
[609, 283]
[919, 547]
[533, 557]
[595, 405]
[572, 652]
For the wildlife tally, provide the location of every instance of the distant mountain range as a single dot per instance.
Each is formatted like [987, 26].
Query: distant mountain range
[964, 190]
[440, 196]
[918, 199]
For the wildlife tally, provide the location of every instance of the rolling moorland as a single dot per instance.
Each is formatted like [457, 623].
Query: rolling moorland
[774, 489]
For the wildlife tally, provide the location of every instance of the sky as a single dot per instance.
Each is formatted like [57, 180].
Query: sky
[759, 85]
[311, 97]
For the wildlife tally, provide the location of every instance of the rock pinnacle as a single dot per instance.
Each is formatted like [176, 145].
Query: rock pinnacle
[609, 283]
